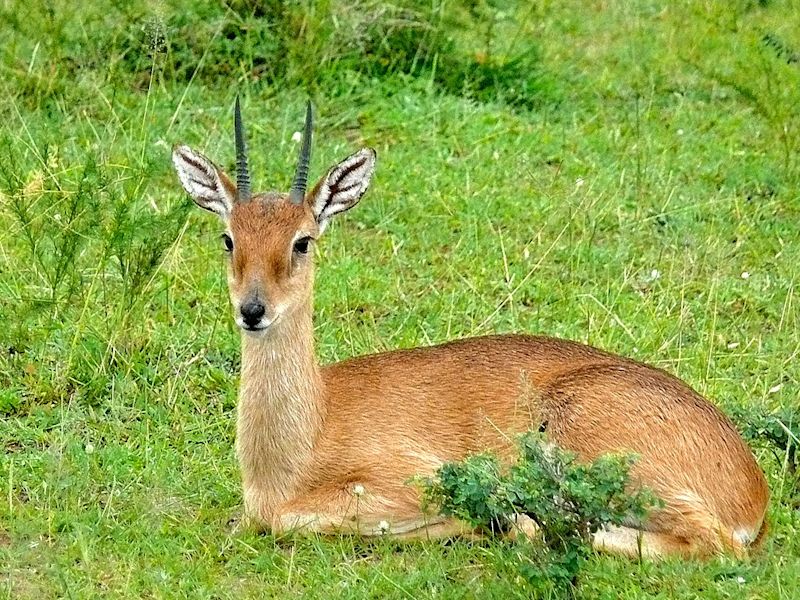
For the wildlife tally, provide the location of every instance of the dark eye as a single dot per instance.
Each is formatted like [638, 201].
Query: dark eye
[226, 239]
[301, 245]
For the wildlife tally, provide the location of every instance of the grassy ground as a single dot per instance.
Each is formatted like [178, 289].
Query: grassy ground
[623, 174]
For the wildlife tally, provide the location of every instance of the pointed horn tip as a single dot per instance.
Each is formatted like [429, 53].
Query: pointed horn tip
[242, 173]
[237, 110]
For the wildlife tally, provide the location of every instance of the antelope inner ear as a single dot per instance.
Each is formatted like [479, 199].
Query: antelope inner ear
[343, 186]
[207, 185]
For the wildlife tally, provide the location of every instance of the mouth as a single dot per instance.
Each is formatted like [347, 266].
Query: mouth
[258, 328]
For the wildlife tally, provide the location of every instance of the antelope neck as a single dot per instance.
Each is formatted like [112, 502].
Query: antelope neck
[281, 407]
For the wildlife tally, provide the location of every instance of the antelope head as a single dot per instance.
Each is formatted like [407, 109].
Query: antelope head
[269, 236]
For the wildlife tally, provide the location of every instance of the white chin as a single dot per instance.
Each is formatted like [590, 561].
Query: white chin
[252, 331]
[257, 330]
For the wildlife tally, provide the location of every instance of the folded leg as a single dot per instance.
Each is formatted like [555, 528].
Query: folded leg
[335, 511]
[635, 543]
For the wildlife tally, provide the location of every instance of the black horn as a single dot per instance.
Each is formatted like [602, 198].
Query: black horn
[298, 191]
[242, 174]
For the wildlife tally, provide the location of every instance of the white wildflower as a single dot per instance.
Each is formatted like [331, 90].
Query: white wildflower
[775, 388]
[579, 182]
[740, 579]
[679, 132]
[358, 489]
[297, 136]
[89, 448]
[745, 275]
[383, 526]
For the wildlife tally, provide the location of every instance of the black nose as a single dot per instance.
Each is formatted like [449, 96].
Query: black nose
[252, 312]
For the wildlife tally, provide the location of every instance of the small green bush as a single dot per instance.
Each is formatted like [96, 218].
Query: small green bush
[566, 498]
[87, 241]
[779, 432]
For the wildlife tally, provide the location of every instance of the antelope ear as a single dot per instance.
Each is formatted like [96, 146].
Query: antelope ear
[343, 186]
[209, 187]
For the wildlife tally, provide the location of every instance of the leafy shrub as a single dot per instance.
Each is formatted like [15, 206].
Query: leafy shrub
[85, 242]
[778, 431]
[567, 499]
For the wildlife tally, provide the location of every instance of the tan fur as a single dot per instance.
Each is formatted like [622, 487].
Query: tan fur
[331, 449]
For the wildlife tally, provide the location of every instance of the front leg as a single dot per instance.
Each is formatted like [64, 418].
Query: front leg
[337, 511]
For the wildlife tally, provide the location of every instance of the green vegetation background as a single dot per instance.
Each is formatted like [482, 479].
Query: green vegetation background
[620, 173]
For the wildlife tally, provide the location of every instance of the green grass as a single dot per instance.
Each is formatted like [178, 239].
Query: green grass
[608, 173]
